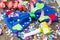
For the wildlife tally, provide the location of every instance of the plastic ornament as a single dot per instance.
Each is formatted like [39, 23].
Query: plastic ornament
[31, 29]
[42, 18]
[50, 37]
[47, 11]
[44, 29]
[18, 23]
[38, 6]
[52, 16]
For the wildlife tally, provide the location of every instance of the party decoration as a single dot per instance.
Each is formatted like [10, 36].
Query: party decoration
[52, 17]
[17, 27]
[50, 37]
[45, 29]
[43, 18]
[38, 6]
[18, 22]
[47, 11]
[31, 33]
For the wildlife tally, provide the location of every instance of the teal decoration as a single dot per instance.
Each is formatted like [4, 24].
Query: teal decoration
[50, 37]
[32, 29]
[59, 13]
[19, 39]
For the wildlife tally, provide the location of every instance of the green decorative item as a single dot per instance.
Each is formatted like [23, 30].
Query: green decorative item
[43, 18]
[33, 11]
[40, 5]
[32, 14]
[17, 27]
[50, 37]
[19, 39]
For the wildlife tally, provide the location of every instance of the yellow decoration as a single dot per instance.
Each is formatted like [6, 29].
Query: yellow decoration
[45, 28]
[17, 27]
